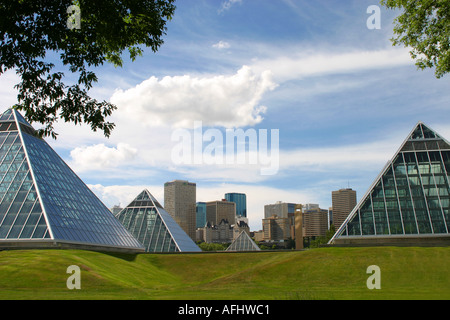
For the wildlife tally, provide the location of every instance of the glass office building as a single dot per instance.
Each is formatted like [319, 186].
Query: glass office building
[200, 215]
[43, 203]
[410, 199]
[241, 203]
[154, 227]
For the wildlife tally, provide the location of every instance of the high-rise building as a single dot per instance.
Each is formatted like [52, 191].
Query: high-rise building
[276, 228]
[343, 202]
[315, 222]
[200, 214]
[216, 211]
[43, 203]
[241, 203]
[116, 209]
[180, 203]
[147, 220]
[409, 202]
[281, 209]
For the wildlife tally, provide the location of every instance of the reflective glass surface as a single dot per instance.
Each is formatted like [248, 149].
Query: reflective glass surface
[154, 227]
[74, 213]
[243, 243]
[241, 202]
[412, 196]
[21, 215]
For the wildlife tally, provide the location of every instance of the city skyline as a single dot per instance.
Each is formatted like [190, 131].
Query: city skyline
[340, 95]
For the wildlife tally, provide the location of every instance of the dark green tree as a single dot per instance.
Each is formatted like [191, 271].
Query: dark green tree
[99, 32]
[424, 25]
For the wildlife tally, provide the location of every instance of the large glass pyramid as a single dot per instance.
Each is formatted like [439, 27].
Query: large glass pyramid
[243, 242]
[154, 227]
[43, 203]
[409, 199]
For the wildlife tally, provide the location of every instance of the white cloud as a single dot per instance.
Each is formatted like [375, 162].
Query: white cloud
[221, 45]
[7, 92]
[101, 157]
[351, 157]
[226, 5]
[179, 101]
[123, 195]
[316, 63]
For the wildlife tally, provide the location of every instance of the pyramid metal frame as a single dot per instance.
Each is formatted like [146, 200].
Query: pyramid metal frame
[154, 227]
[243, 242]
[412, 145]
[43, 203]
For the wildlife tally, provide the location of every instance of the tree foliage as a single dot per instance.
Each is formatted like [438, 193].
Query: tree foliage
[206, 246]
[424, 25]
[30, 30]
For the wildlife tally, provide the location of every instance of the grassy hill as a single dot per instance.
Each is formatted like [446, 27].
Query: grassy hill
[326, 273]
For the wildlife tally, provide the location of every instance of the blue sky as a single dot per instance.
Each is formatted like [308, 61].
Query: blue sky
[342, 97]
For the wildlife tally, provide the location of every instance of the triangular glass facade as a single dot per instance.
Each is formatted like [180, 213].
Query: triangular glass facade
[153, 226]
[411, 197]
[243, 242]
[41, 198]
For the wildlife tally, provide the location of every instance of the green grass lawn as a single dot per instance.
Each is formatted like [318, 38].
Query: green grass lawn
[326, 273]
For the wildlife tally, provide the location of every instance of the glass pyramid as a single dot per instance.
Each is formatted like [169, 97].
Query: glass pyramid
[43, 202]
[410, 198]
[154, 227]
[243, 242]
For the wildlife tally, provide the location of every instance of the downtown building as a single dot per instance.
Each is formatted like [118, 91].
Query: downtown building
[44, 204]
[180, 202]
[240, 199]
[216, 211]
[409, 201]
[279, 222]
[343, 202]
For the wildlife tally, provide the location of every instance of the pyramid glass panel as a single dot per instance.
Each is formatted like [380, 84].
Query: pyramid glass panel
[145, 218]
[411, 195]
[243, 242]
[42, 198]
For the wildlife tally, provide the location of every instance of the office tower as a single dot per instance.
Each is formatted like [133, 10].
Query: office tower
[149, 223]
[241, 203]
[116, 209]
[343, 202]
[281, 209]
[43, 203]
[180, 203]
[315, 222]
[216, 211]
[200, 214]
[276, 228]
[409, 202]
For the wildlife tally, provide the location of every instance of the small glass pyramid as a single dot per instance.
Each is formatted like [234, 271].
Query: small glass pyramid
[154, 227]
[43, 202]
[410, 197]
[243, 242]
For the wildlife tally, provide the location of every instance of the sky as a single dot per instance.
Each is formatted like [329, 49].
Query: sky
[328, 100]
